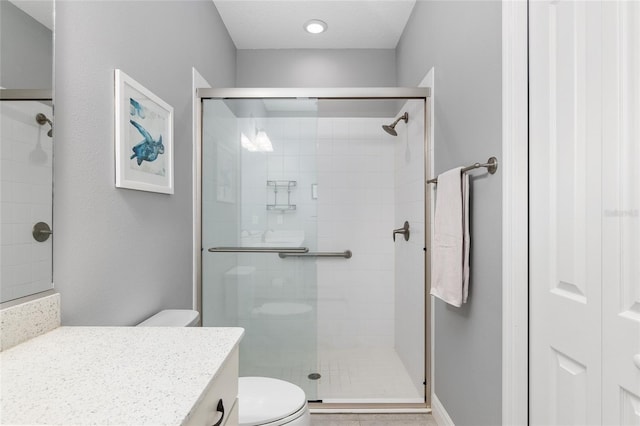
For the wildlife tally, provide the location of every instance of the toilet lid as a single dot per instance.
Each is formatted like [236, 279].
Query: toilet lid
[264, 400]
[172, 318]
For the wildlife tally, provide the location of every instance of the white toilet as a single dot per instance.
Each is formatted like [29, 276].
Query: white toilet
[265, 401]
[262, 401]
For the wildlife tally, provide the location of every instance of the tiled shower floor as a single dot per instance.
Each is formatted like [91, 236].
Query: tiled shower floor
[357, 376]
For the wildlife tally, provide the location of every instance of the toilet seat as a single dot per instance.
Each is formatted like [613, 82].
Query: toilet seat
[266, 401]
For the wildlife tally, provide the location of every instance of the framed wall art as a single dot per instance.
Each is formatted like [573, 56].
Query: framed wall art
[144, 137]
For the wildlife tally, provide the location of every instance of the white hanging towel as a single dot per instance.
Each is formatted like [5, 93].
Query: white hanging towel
[450, 260]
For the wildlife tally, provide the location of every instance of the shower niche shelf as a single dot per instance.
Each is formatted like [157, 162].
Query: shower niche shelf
[280, 186]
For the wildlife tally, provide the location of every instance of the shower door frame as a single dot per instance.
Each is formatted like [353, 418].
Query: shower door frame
[330, 93]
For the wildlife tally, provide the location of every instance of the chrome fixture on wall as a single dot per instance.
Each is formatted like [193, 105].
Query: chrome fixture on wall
[42, 120]
[391, 128]
[491, 165]
[404, 231]
[41, 232]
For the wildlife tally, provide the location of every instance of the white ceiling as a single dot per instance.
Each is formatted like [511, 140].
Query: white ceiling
[277, 24]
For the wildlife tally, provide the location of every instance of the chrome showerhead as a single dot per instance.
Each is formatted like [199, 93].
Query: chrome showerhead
[391, 128]
[42, 119]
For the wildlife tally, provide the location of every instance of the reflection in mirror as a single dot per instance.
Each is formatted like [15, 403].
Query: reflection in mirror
[26, 147]
[26, 153]
[26, 44]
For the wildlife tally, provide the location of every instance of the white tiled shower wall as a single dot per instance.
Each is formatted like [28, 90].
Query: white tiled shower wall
[292, 160]
[26, 198]
[368, 183]
[278, 296]
[355, 212]
[351, 161]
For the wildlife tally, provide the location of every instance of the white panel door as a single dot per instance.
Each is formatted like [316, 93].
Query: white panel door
[584, 220]
[621, 213]
[565, 246]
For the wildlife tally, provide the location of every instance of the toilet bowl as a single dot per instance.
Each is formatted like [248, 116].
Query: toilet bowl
[262, 401]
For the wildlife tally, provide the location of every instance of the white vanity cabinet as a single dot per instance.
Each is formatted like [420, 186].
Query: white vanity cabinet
[122, 375]
[219, 403]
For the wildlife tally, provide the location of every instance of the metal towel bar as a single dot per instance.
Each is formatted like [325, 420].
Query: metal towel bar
[292, 250]
[491, 165]
[346, 254]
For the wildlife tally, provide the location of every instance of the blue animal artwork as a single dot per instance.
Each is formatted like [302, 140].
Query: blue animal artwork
[136, 108]
[148, 149]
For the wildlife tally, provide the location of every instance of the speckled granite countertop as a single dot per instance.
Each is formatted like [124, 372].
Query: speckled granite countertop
[111, 375]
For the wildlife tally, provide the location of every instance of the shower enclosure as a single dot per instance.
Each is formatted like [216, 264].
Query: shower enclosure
[303, 194]
[26, 177]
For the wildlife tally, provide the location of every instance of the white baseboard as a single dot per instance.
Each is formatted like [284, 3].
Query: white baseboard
[439, 413]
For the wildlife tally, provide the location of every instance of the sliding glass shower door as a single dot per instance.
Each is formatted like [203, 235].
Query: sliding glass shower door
[300, 200]
[259, 214]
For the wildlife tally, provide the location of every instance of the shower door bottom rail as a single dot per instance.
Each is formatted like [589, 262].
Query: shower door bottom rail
[346, 254]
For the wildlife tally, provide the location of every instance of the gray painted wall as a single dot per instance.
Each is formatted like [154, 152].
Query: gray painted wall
[121, 255]
[26, 50]
[316, 68]
[462, 40]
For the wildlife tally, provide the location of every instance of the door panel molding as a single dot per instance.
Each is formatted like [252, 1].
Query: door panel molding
[584, 210]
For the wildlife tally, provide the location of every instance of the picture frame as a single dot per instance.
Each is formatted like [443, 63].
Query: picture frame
[143, 137]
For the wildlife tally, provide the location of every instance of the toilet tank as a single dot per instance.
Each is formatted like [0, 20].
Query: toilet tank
[172, 318]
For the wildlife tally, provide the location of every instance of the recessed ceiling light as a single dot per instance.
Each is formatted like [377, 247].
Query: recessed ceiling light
[315, 26]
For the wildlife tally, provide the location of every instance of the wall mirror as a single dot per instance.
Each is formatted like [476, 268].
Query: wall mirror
[26, 147]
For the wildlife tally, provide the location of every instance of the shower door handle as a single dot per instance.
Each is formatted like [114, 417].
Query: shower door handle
[404, 231]
[347, 254]
[292, 250]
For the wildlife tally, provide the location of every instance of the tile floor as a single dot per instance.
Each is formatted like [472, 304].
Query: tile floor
[352, 375]
[372, 420]
[361, 375]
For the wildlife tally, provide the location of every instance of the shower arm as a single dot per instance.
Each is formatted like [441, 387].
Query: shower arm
[404, 117]
[42, 119]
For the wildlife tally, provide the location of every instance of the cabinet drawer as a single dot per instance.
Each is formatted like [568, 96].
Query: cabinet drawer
[223, 387]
